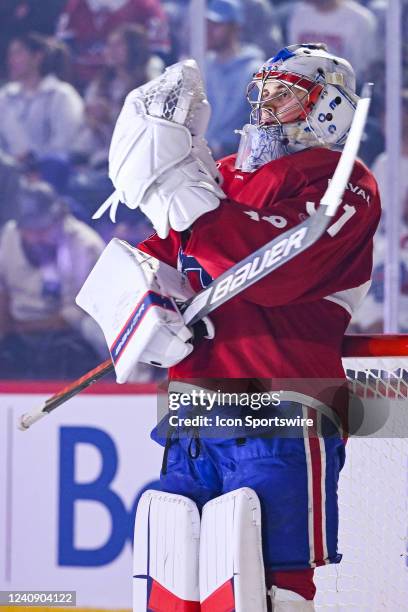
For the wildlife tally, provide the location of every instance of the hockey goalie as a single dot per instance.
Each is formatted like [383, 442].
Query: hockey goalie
[243, 518]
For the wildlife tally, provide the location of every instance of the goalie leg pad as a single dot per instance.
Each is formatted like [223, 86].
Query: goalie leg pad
[165, 554]
[232, 575]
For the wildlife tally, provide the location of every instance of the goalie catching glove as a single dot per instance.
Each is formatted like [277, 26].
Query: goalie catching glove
[139, 313]
[158, 158]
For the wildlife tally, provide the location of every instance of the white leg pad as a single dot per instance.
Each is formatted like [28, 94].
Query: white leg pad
[231, 564]
[165, 555]
[284, 600]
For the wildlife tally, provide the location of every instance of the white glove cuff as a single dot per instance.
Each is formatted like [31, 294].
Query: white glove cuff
[180, 197]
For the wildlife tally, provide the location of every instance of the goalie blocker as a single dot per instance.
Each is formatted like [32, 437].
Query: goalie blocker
[139, 314]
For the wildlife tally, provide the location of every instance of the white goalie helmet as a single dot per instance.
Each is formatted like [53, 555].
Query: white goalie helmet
[301, 97]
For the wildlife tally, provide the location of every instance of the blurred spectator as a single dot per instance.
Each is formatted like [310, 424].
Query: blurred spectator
[92, 145]
[45, 256]
[379, 9]
[283, 10]
[9, 187]
[379, 167]
[369, 317]
[86, 24]
[378, 77]
[40, 114]
[372, 142]
[128, 64]
[23, 16]
[131, 225]
[59, 60]
[348, 29]
[261, 26]
[19, 17]
[229, 68]
[179, 21]
[89, 183]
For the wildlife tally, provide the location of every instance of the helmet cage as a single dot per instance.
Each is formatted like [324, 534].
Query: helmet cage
[304, 93]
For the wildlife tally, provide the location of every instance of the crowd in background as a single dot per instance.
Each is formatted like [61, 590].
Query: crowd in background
[66, 67]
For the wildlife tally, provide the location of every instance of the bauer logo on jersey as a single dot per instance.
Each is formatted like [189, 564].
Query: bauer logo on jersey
[255, 268]
[149, 299]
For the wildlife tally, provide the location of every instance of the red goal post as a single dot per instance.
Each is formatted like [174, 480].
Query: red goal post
[376, 345]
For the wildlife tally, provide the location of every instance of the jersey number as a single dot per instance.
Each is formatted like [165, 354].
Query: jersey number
[275, 220]
[334, 229]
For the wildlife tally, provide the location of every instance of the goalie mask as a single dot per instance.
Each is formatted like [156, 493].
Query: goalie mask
[302, 97]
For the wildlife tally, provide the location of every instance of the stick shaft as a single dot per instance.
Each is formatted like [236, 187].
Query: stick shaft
[66, 393]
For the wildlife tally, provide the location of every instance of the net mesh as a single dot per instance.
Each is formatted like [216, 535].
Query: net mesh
[373, 502]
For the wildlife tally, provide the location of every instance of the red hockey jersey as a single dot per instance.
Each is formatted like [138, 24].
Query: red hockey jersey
[291, 323]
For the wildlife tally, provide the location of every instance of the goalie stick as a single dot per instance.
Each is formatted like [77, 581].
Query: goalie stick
[255, 266]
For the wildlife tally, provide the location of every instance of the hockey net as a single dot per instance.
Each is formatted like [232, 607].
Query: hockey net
[373, 489]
